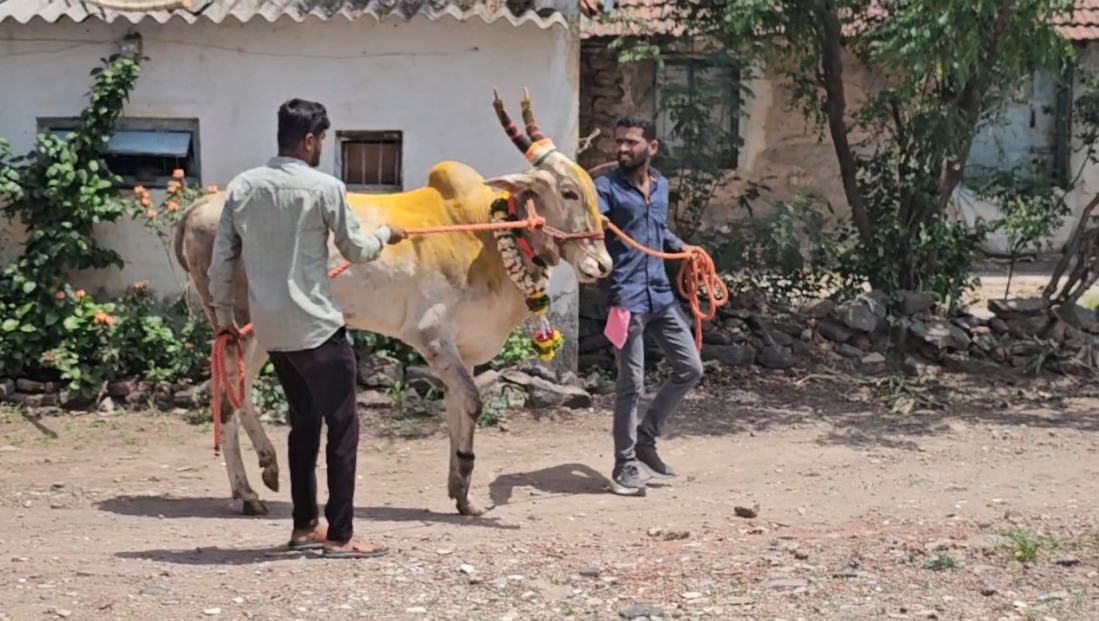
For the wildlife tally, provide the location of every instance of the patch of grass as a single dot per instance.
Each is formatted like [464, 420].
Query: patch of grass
[9, 415]
[497, 406]
[407, 405]
[942, 562]
[197, 417]
[1024, 548]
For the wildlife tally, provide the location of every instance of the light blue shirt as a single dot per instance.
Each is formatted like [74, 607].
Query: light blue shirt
[277, 219]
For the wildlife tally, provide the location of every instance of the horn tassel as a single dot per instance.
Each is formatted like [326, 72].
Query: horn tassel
[528, 119]
[521, 142]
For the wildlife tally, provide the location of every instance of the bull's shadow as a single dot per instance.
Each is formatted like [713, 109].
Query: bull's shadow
[566, 479]
[221, 508]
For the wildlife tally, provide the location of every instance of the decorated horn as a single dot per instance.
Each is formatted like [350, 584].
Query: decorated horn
[528, 119]
[517, 137]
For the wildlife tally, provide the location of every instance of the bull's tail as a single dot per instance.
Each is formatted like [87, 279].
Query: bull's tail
[177, 241]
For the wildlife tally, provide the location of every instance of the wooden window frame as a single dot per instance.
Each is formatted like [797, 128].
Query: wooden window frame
[343, 137]
[732, 95]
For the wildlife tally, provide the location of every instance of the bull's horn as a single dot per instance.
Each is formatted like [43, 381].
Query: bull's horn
[517, 137]
[528, 119]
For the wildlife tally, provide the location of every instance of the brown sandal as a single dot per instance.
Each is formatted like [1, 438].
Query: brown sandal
[308, 538]
[356, 547]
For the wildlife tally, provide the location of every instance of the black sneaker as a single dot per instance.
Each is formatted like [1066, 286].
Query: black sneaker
[626, 480]
[652, 462]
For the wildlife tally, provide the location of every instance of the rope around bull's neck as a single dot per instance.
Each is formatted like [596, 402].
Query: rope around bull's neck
[697, 274]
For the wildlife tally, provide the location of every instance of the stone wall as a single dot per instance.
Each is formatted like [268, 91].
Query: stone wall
[608, 89]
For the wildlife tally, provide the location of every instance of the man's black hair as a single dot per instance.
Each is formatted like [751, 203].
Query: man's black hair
[299, 117]
[648, 130]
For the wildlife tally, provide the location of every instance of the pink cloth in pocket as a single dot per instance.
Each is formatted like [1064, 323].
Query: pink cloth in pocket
[618, 326]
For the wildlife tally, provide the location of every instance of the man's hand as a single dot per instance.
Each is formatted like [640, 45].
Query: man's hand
[689, 249]
[397, 235]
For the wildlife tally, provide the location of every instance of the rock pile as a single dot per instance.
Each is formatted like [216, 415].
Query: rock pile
[873, 329]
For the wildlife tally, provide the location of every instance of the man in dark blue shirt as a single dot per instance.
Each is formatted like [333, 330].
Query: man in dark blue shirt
[635, 197]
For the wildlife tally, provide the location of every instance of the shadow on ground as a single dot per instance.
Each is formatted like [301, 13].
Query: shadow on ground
[764, 405]
[221, 508]
[566, 479]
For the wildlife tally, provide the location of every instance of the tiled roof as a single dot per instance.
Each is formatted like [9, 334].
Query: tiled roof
[544, 13]
[1083, 25]
[653, 13]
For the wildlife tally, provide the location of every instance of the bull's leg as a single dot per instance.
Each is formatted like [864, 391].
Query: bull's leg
[234, 463]
[463, 408]
[255, 357]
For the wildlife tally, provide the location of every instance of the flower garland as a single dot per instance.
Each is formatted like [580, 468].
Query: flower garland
[547, 340]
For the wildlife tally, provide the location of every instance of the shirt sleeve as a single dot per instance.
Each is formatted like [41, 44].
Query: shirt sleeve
[672, 243]
[603, 190]
[227, 246]
[355, 245]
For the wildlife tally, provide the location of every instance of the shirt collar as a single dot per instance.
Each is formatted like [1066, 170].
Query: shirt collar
[624, 179]
[280, 161]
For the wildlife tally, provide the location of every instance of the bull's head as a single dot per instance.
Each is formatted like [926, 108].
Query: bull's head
[562, 192]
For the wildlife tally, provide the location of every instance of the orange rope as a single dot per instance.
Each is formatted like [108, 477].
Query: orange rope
[697, 273]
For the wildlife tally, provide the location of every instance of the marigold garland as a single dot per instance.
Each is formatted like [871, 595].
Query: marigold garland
[547, 341]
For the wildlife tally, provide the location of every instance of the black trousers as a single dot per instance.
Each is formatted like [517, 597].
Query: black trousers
[320, 386]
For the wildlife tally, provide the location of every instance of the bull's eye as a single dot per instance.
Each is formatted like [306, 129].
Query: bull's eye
[569, 195]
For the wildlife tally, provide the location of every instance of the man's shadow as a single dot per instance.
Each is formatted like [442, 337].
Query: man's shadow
[568, 479]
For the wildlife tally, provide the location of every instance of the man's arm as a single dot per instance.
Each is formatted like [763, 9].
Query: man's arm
[603, 191]
[223, 264]
[355, 245]
[672, 243]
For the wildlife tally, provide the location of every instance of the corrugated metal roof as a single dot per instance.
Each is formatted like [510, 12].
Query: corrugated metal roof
[1082, 25]
[543, 13]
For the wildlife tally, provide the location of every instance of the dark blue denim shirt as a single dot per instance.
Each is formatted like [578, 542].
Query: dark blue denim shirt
[639, 282]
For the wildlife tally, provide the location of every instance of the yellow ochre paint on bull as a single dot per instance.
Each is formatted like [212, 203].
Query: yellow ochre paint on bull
[590, 195]
[455, 194]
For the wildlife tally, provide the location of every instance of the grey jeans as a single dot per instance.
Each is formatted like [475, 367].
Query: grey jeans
[672, 331]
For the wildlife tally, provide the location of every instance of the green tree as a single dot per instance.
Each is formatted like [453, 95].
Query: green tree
[944, 63]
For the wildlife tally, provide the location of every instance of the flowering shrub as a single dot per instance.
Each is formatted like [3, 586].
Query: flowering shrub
[162, 218]
[60, 191]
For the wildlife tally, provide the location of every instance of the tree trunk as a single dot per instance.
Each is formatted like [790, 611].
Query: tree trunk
[1070, 250]
[835, 106]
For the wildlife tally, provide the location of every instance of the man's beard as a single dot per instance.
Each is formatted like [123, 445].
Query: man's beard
[633, 163]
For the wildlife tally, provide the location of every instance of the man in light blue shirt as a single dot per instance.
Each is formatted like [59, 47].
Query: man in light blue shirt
[277, 219]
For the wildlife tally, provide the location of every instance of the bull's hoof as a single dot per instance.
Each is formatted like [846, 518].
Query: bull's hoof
[470, 508]
[255, 507]
[271, 477]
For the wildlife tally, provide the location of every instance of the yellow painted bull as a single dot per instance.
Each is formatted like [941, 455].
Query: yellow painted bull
[453, 297]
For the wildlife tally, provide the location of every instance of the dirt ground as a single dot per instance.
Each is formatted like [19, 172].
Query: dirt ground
[981, 507]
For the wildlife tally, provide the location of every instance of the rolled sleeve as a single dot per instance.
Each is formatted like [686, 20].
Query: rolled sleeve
[353, 243]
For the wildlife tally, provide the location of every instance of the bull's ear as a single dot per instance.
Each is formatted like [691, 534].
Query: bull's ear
[533, 181]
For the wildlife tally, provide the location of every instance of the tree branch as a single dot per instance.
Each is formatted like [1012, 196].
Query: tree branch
[1071, 249]
[835, 106]
[969, 101]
